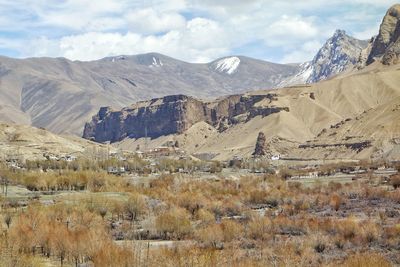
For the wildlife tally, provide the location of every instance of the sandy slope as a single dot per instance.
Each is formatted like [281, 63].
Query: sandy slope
[367, 102]
[26, 142]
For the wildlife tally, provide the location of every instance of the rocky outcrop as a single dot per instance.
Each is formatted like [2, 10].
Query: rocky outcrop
[167, 115]
[260, 145]
[174, 115]
[342, 52]
[386, 46]
[339, 53]
[355, 146]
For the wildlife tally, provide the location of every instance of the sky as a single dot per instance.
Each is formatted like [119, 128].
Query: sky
[197, 31]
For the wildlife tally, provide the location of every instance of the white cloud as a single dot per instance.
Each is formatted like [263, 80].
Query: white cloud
[367, 33]
[149, 20]
[193, 30]
[79, 14]
[290, 29]
[302, 53]
[202, 33]
[193, 43]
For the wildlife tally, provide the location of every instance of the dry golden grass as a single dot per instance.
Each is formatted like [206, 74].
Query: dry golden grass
[252, 221]
[335, 202]
[174, 223]
[366, 259]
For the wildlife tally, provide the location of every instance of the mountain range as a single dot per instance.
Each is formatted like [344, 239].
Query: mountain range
[61, 95]
[353, 115]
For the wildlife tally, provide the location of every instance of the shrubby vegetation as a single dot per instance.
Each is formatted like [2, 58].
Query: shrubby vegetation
[88, 216]
[132, 164]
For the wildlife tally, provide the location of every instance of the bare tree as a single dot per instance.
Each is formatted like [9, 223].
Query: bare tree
[135, 206]
[7, 220]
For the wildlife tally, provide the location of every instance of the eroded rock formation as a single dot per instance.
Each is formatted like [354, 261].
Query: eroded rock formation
[174, 115]
[386, 46]
[260, 145]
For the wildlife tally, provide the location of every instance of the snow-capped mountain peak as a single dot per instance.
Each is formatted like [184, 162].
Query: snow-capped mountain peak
[339, 53]
[227, 65]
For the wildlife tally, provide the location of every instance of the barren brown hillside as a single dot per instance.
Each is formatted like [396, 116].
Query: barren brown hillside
[22, 142]
[357, 107]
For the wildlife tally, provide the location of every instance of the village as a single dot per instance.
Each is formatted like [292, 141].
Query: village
[157, 202]
[153, 205]
[170, 159]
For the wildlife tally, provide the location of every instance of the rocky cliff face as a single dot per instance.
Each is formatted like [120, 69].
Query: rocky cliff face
[259, 150]
[386, 46]
[339, 53]
[168, 115]
[174, 115]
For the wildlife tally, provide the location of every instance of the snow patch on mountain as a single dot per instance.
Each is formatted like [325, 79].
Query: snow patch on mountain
[306, 71]
[156, 63]
[114, 59]
[302, 76]
[227, 65]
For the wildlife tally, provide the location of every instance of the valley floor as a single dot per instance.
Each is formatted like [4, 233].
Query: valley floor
[230, 217]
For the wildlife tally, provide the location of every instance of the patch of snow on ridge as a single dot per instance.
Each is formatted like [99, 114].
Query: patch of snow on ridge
[156, 62]
[306, 73]
[302, 77]
[228, 65]
[118, 58]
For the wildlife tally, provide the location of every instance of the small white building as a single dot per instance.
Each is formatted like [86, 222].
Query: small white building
[53, 157]
[276, 157]
[116, 170]
[70, 158]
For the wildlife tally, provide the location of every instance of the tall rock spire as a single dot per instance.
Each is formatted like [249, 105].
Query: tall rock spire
[386, 46]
